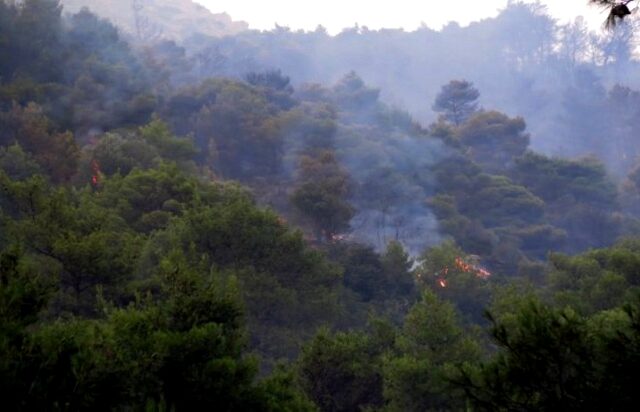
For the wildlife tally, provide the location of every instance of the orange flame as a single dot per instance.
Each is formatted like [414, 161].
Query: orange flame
[95, 173]
[463, 266]
[483, 273]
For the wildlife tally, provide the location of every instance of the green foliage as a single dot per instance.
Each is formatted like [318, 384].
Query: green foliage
[510, 299]
[311, 126]
[88, 244]
[470, 234]
[288, 288]
[321, 195]
[24, 292]
[363, 271]
[169, 147]
[493, 139]
[342, 372]
[275, 86]
[37, 38]
[115, 153]
[492, 216]
[234, 126]
[147, 147]
[457, 101]
[396, 265]
[554, 358]
[539, 240]
[55, 152]
[431, 328]
[584, 180]
[598, 280]
[134, 275]
[441, 271]
[545, 364]
[581, 186]
[431, 342]
[498, 201]
[280, 392]
[353, 95]
[147, 199]
[371, 276]
[182, 351]
[81, 73]
[17, 164]
[435, 259]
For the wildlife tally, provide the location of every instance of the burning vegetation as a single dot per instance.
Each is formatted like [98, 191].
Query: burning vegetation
[463, 265]
[95, 174]
[169, 264]
[468, 264]
[468, 267]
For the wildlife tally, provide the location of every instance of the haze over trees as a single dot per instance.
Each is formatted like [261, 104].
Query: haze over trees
[253, 222]
[457, 101]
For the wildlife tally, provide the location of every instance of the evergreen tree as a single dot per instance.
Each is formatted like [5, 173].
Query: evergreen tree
[457, 101]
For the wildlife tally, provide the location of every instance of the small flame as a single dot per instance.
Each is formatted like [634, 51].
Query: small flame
[95, 173]
[462, 265]
[339, 237]
[483, 273]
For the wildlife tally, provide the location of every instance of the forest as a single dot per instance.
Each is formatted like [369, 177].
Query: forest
[293, 221]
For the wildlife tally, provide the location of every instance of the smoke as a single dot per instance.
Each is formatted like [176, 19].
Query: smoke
[388, 158]
[522, 61]
[393, 185]
[560, 79]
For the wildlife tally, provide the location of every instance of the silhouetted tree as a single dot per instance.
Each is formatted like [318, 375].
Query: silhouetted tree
[617, 11]
[457, 101]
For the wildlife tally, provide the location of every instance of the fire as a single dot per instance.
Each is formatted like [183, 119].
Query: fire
[483, 273]
[462, 265]
[469, 264]
[335, 238]
[95, 173]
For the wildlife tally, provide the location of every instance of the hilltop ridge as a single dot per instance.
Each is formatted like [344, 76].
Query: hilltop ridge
[152, 19]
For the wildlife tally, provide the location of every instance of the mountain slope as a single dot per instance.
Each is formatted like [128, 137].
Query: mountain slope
[152, 19]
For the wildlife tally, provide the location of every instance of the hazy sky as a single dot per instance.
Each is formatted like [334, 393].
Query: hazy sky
[408, 14]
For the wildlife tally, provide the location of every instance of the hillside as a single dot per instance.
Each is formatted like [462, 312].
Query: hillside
[171, 19]
[185, 227]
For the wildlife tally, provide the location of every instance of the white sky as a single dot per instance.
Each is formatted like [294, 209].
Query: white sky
[408, 14]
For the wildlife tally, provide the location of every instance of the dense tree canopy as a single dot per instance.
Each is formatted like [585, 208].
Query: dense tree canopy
[174, 236]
